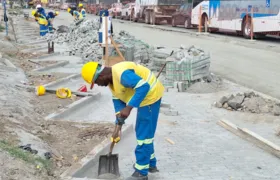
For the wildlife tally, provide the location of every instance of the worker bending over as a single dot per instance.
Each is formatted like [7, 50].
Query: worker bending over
[82, 10]
[77, 16]
[132, 86]
[50, 18]
[42, 21]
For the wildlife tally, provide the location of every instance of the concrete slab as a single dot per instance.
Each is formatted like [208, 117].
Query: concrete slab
[52, 66]
[34, 42]
[71, 59]
[37, 49]
[5, 64]
[69, 68]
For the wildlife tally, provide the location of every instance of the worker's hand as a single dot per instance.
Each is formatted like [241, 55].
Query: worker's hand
[125, 112]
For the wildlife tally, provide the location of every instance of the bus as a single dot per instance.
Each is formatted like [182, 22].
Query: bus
[237, 16]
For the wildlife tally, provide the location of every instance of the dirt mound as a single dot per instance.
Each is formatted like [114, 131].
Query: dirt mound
[249, 102]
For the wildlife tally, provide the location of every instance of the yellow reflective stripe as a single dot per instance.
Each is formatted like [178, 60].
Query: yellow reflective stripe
[140, 83]
[146, 141]
[149, 77]
[141, 167]
[152, 156]
[115, 97]
[117, 112]
[154, 83]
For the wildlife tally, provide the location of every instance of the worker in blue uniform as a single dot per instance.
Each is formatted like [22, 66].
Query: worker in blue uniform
[41, 10]
[50, 18]
[132, 86]
[82, 10]
[42, 21]
[77, 16]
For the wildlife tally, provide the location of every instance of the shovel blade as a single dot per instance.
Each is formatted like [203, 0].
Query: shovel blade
[108, 167]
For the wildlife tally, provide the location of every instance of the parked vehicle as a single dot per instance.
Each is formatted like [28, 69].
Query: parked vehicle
[182, 16]
[64, 6]
[126, 12]
[153, 12]
[237, 16]
[115, 9]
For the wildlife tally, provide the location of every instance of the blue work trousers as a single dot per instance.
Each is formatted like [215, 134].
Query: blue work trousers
[43, 30]
[146, 124]
[50, 27]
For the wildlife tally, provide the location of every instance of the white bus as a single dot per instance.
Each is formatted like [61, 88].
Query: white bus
[236, 16]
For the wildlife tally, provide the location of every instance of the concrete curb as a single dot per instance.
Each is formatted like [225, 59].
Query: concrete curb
[48, 55]
[72, 107]
[9, 65]
[35, 49]
[34, 42]
[62, 63]
[93, 156]
[61, 80]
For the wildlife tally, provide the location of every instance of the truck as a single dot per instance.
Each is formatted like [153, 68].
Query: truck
[155, 11]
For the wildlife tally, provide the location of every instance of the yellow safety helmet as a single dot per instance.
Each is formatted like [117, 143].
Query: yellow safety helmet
[56, 13]
[33, 12]
[63, 93]
[88, 72]
[81, 5]
[69, 9]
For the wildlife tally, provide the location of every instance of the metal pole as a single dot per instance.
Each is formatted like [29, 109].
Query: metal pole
[5, 13]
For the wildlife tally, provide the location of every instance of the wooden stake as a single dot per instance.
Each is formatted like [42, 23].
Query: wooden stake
[106, 40]
[117, 49]
[200, 19]
[252, 27]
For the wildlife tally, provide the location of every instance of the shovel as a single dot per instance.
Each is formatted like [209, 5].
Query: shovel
[108, 167]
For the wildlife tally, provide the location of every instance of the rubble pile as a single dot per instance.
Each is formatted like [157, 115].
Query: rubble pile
[249, 102]
[83, 41]
[187, 65]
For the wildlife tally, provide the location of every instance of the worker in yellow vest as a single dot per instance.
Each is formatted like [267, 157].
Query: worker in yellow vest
[132, 86]
[77, 16]
[82, 10]
[42, 21]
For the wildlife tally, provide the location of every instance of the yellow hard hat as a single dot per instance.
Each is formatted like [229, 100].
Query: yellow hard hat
[69, 9]
[88, 72]
[40, 90]
[80, 5]
[63, 93]
[56, 13]
[33, 12]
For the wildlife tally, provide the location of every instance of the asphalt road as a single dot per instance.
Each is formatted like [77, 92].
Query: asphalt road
[254, 64]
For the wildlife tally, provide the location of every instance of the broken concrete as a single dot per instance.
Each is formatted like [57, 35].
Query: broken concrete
[249, 102]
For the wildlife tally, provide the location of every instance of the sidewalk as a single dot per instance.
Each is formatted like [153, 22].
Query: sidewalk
[202, 150]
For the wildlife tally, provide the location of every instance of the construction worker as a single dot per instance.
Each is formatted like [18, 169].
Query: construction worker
[132, 86]
[50, 18]
[77, 16]
[42, 21]
[82, 10]
[41, 10]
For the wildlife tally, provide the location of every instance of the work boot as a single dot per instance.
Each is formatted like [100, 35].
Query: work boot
[153, 169]
[137, 176]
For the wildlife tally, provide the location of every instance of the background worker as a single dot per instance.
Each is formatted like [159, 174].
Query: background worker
[77, 16]
[42, 21]
[132, 86]
[41, 10]
[82, 10]
[50, 18]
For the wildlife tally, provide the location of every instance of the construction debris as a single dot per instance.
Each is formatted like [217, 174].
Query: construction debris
[249, 102]
[82, 40]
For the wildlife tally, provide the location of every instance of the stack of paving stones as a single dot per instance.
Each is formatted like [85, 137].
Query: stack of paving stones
[187, 65]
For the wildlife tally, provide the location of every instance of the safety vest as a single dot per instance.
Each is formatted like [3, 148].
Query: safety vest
[43, 21]
[125, 94]
[77, 15]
